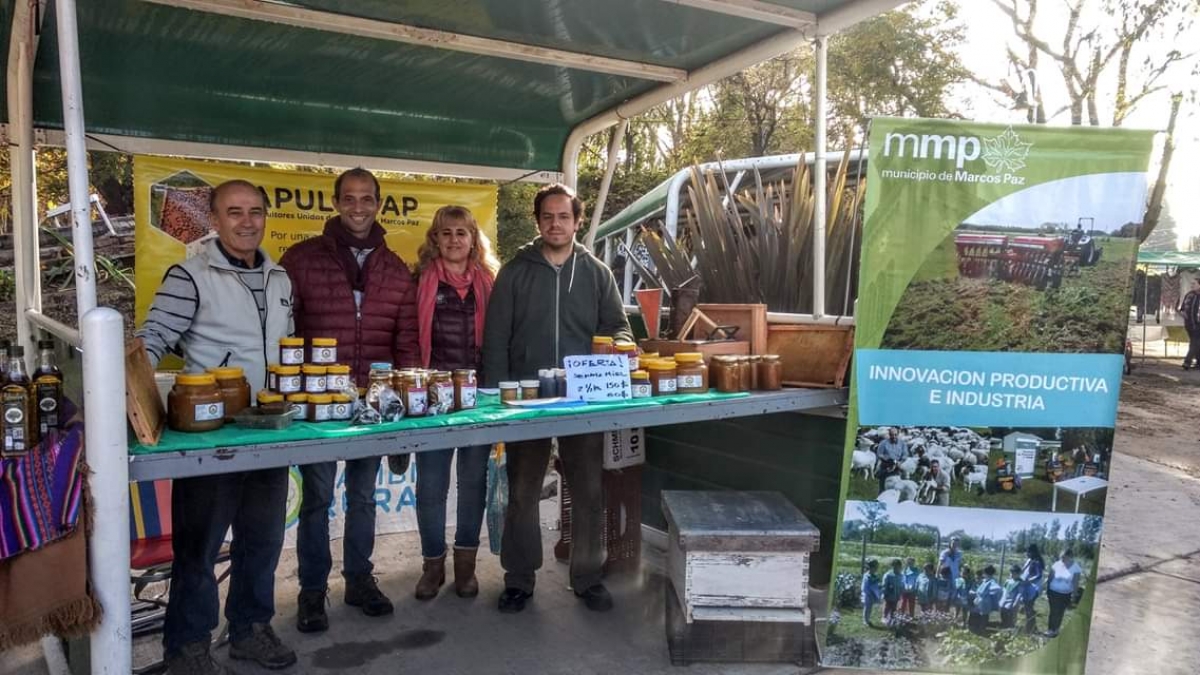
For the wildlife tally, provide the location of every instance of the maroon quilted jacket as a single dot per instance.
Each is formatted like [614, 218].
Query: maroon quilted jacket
[385, 327]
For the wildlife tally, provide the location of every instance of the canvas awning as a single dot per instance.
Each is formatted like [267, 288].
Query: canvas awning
[1169, 258]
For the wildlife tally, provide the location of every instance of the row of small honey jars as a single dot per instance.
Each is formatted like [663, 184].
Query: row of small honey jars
[309, 378]
[685, 373]
[747, 373]
[425, 392]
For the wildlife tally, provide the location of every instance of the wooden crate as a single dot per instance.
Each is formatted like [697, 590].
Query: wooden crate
[147, 415]
[812, 356]
[751, 321]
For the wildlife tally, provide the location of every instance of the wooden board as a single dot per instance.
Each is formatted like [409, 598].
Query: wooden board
[750, 319]
[142, 401]
[812, 356]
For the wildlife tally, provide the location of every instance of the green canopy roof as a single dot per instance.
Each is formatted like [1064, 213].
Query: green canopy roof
[201, 71]
[1169, 258]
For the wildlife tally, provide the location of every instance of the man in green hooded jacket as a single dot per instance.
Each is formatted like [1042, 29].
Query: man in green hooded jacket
[548, 302]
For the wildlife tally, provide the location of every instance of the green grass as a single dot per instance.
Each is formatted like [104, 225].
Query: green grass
[941, 311]
[1035, 494]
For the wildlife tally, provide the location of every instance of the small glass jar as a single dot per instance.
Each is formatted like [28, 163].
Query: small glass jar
[380, 378]
[291, 351]
[509, 391]
[529, 389]
[270, 403]
[755, 385]
[273, 377]
[343, 408]
[416, 393]
[602, 344]
[299, 403]
[466, 389]
[663, 381]
[726, 374]
[691, 372]
[337, 378]
[235, 390]
[320, 407]
[322, 351]
[745, 373]
[629, 351]
[441, 392]
[288, 381]
[639, 384]
[195, 404]
[770, 373]
[316, 378]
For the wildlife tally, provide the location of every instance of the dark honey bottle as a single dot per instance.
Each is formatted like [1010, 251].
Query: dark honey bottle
[17, 423]
[47, 389]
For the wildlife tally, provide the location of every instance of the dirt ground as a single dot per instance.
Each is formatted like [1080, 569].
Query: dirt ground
[60, 306]
[1157, 419]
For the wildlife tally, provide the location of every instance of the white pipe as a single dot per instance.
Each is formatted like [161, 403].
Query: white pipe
[734, 63]
[819, 168]
[776, 317]
[77, 161]
[108, 457]
[627, 280]
[52, 654]
[606, 181]
[755, 10]
[56, 328]
[22, 49]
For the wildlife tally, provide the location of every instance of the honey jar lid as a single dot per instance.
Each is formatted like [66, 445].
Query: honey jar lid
[526, 384]
[227, 373]
[689, 357]
[650, 355]
[195, 379]
[297, 398]
[639, 375]
[288, 370]
[269, 397]
[602, 340]
[625, 347]
[341, 398]
[320, 398]
[380, 365]
[770, 357]
[310, 369]
[464, 372]
[660, 364]
[291, 342]
[323, 342]
[273, 368]
[338, 368]
[508, 384]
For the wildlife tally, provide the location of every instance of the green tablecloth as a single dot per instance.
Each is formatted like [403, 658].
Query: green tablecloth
[489, 411]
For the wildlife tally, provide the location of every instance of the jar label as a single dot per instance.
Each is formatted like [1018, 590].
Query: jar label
[325, 355]
[299, 408]
[417, 402]
[466, 396]
[320, 412]
[291, 356]
[289, 384]
[442, 400]
[341, 411]
[314, 384]
[641, 390]
[668, 385]
[339, 382]
[207, 412]
[633, 363]
[690, 381]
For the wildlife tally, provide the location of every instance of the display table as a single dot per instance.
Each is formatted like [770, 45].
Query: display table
[1079, 487]
[230, 449]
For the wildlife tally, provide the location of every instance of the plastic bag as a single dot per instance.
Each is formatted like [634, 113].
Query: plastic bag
[497, 496]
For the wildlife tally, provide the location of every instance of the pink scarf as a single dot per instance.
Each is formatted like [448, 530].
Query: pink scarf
[476, 278]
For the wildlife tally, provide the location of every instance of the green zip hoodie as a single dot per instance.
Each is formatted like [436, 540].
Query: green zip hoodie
[537, 314]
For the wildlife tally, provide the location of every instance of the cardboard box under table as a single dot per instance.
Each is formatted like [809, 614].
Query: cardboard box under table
[738, 577]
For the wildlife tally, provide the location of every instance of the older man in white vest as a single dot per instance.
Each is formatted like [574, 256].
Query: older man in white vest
[226, 306]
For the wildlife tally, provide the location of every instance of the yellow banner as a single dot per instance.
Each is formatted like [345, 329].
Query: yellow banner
[171, 211]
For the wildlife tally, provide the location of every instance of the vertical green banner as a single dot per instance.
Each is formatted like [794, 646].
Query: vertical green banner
[994, 294]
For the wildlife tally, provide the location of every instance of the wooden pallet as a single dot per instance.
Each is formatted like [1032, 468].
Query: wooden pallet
[144, 405]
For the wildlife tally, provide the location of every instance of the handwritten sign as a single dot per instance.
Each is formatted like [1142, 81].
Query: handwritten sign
[597, 378]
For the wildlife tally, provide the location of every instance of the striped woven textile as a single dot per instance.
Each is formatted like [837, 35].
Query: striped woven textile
[41, 494]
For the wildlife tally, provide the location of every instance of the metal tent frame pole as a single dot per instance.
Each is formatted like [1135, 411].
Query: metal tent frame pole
[821, 48]
[605, 182]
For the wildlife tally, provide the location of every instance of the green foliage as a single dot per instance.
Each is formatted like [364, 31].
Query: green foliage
[514, 218]
[960, 647]
[846, 592]
[8, 286]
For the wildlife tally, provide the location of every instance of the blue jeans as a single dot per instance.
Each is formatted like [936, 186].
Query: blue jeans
[312, 533]
[433, 485]
[203, 509]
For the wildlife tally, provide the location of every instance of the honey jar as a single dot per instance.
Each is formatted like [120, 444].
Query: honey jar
[509, 391]
[691, 372]
[288, 381]
[271, 403]
[195, 404]
[602, 344]
[341, 408]
[726, 374]
[629, 351]
[639, 384]
[320, 407]
[441, 392]
[466, 389]
[770, 373]
[415, 393]
[337, 378]
[235, 390]
[299, 403]
[322, 351]
[529, 389]
[291, 351]
[663, 380]
[315, 378]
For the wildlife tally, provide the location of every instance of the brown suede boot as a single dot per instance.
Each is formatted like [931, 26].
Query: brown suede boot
[433, 575]
[465, 583]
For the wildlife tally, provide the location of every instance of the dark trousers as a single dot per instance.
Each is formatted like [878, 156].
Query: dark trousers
[1193, 354]
[203, 509]
[312, 533]
[433, 486]
[1058, 607]
[521, 545]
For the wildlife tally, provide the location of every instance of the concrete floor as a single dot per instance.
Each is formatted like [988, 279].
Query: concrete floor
[1147, 596]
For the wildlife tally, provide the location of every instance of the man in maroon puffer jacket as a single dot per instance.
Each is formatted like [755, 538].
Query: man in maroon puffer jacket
[348, 285]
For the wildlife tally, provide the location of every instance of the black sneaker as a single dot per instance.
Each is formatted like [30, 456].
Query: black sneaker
[597, 598]
[512, 600]
[263, 647]
[364, 592]
[194, 659]
[310, 612]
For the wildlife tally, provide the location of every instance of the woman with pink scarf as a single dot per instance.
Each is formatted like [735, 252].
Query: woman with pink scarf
[455, 271]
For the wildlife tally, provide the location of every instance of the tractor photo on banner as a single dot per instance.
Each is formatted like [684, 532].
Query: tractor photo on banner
[995, 280]
[172, 221]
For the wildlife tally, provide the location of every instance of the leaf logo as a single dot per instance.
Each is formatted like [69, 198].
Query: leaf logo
[1006, 152]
